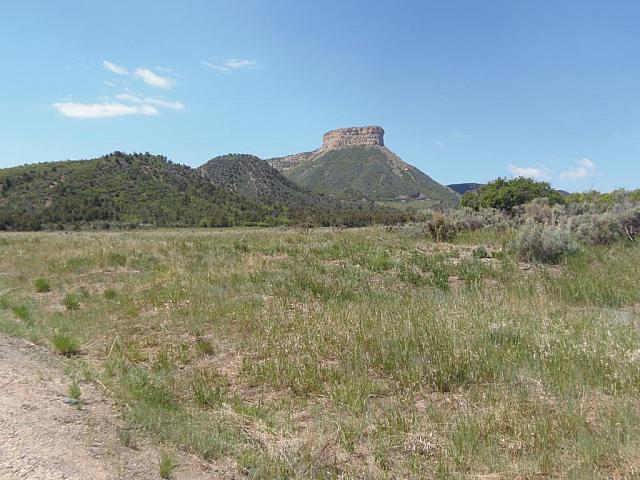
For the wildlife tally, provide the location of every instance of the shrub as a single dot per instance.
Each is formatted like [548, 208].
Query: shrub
[440, 228]
[506, 194]
[595, 229]
[42, 285]
[539, 210]
[542, 243]
[65, 344]
[71, 302]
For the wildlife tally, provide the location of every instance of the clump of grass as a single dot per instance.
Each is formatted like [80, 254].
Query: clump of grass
[117, 259]
[71, 302]
[204, 347]
[241, 246]
[65, 344]
[126, 438]
[480, 252]
[22, 312]
[208, 388]
[167, 465]
[42, 285]
[110, 294]
[74, 390]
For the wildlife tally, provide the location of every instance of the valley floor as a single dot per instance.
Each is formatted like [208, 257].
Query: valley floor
[288, 353]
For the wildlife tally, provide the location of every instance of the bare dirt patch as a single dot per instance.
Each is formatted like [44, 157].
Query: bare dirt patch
[43, 438]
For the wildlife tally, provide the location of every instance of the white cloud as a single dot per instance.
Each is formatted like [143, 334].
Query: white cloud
[530, 172]
[153, 79]
[129, 97]
[102, 110]
[117, 69]
[232, 65]
[583, 168]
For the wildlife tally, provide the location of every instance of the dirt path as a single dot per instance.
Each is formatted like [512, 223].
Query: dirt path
[43, 438]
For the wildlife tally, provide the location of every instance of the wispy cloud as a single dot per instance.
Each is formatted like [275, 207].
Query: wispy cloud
[117, 69]
[538, 172]
[439, 143]
[102, 110]
[153, 79]
[458, 136]
[232, 65]
[157, 102]
[582, 168]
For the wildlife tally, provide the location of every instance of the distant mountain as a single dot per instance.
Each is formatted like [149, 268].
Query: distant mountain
[353, 162]
[463, 188]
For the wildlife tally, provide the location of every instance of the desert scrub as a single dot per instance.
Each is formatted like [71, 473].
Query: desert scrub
[441, 228]
[542, 243]
[42, 285]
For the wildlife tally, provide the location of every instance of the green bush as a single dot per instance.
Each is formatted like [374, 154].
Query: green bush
[546, 244]
[42, 285]
[506, 194]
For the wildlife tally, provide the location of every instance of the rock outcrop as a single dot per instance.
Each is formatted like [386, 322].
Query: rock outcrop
[348, 137]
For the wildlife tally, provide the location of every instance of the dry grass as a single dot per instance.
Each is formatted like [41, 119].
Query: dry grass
[359, 353]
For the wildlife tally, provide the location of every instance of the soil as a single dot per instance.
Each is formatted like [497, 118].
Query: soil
[41, 437]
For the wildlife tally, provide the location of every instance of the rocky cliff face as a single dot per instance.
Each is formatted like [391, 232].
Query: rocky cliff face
[348, 137]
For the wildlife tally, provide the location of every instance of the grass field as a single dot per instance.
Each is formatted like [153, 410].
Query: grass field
[368, 353]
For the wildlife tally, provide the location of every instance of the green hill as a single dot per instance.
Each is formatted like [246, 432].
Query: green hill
[141, 189]
[372, 171]
[135, 188]
[253, 178]
[257, 180]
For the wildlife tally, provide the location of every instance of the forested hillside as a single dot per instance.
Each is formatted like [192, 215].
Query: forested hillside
[121, 189]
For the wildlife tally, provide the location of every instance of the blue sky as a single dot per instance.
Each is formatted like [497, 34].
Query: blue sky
[466, 90]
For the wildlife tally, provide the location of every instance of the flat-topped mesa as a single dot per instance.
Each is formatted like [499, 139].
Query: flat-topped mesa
[347, 137]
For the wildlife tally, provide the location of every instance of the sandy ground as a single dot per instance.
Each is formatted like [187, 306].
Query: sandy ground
[43, 438]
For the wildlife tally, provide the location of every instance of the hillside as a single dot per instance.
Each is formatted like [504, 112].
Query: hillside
[138, 188]
[354, 162]
[462, 188]
[141, 189]
[253, 178]
[256, 180]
